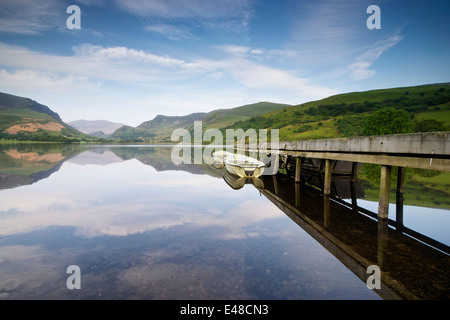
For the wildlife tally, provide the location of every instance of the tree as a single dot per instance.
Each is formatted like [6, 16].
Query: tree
[429, 125]
[388, 121]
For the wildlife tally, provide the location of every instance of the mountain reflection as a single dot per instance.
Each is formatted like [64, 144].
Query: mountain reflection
[24, 164]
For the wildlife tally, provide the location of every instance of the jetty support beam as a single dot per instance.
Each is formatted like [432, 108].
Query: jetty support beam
[327, 181]
[385, 186]
[399, 197]
[298, 167]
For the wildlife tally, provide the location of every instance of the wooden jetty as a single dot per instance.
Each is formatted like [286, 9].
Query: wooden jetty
[417, 150]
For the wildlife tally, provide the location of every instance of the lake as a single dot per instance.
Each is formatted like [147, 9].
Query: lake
[140, 227]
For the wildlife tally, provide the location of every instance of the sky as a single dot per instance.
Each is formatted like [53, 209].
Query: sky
[129, 60]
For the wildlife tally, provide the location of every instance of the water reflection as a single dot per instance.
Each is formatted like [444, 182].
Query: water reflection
[23, 164]
[141, 227]
[410, 268]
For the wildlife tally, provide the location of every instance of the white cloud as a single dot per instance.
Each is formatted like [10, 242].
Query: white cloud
[43, 80]
[179, 20]
[240, 65]
[124, 54]
[173, 32]
[31, 16]
[119, 64]
[196, 9]
[360, 69]
[139, 67]
[95, 78]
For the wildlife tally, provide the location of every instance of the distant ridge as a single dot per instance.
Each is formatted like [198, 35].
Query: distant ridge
[99, 128]
[340, 115]
[160, 128]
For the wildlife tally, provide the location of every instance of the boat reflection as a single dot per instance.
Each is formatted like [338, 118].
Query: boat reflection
[236, 182]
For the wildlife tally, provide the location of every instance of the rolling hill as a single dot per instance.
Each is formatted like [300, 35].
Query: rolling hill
[345, 115]
[161, 127]
[342, 115]
[25, 119]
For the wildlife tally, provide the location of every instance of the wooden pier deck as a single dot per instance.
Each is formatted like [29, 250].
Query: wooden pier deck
[418, 150]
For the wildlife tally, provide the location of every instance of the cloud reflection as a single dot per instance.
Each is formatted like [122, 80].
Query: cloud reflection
[127, 198]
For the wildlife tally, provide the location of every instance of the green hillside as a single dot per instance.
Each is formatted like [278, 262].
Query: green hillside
[345, 115]
[224, 118]
[424, 108]
[26, 120]
[161, 127]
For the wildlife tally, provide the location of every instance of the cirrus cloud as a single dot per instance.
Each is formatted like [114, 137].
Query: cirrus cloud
[360, 69]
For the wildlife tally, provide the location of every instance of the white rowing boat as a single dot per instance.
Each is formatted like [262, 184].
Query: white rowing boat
[243, 166]
[219, 156]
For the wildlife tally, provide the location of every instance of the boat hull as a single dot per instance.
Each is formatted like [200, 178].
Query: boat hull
[244, 172]
[239, 165]
[244, 166]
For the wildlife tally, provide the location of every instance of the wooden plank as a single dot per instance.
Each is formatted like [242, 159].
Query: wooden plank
[396, 161]
[428, 143]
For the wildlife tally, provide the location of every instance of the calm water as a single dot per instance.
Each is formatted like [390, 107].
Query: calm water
[140, 227]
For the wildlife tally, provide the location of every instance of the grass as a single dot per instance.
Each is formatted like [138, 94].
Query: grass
[227, 117]
[438, 115]
[314, 130]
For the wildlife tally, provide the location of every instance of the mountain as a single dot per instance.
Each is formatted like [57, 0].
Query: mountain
[161, 127]
[99, 128]
[345, 115]
[342, 115]
[25, 119]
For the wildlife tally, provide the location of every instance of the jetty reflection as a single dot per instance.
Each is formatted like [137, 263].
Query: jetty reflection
[410, 269]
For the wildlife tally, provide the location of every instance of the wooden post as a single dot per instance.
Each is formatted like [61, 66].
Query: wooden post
[354, 171]
[326, 212]
[399, 197]
[298, 166]
[354, 179]
[353, 195]
[385, 186]
[297, 194]
[383, 230]
[275, 184]
[327, 182]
